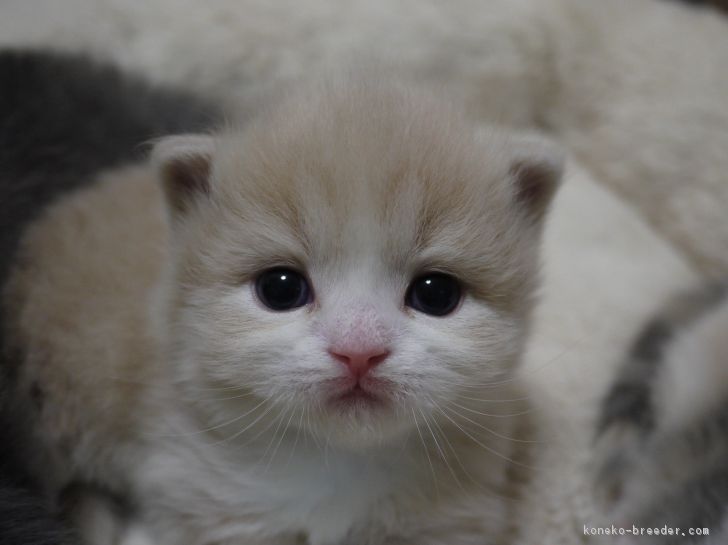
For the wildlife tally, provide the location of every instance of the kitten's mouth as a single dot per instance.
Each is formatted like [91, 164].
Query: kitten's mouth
[357, 393]
[367, 394]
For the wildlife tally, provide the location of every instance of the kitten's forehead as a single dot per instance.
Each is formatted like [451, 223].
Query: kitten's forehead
[360, 170]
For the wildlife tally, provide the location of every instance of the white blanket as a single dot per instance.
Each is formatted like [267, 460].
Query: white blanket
[605, 270]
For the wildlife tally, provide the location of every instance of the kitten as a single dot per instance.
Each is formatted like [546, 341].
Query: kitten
[63, 118]
[304, 331]
[663, 431]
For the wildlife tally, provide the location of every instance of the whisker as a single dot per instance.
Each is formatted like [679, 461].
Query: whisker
[212, 428]
[427, 453]
[454, 452]
[283, 435]
[253, 423]
[535, 370]
[481, 426]
[277, 420]
[326, 449]
[216, 399]
[489, 449]
[265, 429]
[439, 449]
[313, 431]
[510, 415]
[172, 382]
[295, 441]
[480, 486]
[512, 400]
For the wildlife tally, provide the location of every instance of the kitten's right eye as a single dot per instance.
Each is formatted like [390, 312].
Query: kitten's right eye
[282, 289]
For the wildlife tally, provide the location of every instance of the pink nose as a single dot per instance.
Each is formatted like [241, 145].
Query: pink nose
[361, 362]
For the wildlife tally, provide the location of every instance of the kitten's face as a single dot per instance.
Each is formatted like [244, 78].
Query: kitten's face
[357, 261]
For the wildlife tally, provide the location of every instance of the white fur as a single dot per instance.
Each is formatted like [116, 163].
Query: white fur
[693, 379]
[604, 269]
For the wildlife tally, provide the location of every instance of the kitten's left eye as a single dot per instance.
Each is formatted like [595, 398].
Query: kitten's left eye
[282, 289]
[436, 294]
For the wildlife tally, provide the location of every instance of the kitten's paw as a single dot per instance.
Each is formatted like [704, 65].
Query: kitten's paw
[94, 515]
[101, 518]
[136, 535]
[614, 460]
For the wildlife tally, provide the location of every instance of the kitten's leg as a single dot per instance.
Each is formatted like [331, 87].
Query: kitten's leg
[135, 534]
[101, 518]
[628, 416]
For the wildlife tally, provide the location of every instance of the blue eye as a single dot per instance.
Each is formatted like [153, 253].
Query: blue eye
[282, 289]
[436, 294]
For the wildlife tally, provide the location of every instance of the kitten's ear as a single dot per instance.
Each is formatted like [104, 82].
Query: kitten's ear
[536, 166]
[184, 164]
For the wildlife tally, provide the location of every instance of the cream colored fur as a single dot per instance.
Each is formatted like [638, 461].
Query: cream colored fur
[158, 374]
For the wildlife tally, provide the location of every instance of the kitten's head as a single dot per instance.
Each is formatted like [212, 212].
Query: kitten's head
[359, 255]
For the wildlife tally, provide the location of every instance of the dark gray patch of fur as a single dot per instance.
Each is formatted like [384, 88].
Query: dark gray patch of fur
[629, 400]
[25, 519]
[696, 461]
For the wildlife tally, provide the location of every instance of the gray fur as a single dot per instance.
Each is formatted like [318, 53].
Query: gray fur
[24, 518]
[628, 400]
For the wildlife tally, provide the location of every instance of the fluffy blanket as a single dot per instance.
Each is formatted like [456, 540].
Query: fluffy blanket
[605, 270]
[636, 89]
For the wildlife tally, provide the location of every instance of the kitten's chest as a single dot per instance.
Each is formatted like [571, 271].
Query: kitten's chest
[318, 496]
[343, 494]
